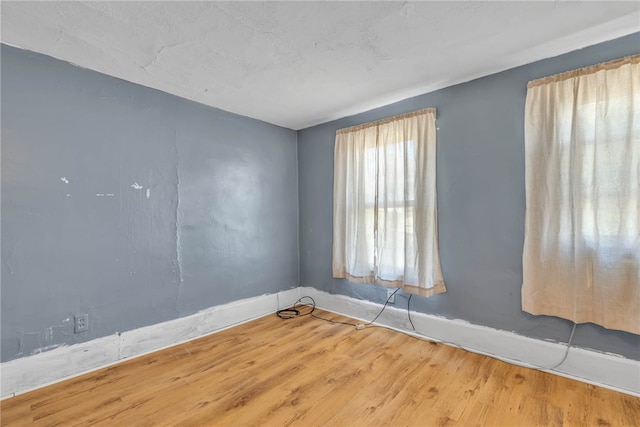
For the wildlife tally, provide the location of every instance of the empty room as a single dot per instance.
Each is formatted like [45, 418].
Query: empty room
[313, 213]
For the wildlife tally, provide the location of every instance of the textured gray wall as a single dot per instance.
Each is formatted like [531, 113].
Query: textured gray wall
[481, 202]
[220, 222]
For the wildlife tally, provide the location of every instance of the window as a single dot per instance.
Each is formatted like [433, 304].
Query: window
[581, 257]
[603, 164]
[385, 223]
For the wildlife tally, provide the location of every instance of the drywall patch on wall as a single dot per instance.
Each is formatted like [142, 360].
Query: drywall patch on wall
[602, 369]
[178, 226]
[32, 341]
[28, 373]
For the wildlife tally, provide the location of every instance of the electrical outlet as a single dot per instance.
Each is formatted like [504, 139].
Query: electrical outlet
[81, 323]
[391, 297]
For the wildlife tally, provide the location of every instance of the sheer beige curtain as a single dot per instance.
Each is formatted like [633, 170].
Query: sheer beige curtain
[581, 255]
[384, 204]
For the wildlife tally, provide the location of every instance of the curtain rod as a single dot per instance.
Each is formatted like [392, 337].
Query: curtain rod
[387, 120]
[608, 65]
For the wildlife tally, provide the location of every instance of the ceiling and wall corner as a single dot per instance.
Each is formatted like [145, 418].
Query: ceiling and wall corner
[298, 64]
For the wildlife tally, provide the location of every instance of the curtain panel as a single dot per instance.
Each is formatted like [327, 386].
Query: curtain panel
[384, 204]
[581, 258]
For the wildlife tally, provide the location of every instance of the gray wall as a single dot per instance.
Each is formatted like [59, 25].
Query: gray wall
[481, 202]
[220, 222]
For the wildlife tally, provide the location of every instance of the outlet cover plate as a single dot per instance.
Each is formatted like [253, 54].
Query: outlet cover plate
[391, 297]
[81, 323]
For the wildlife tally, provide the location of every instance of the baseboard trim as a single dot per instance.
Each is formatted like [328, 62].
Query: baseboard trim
[32, 372]
[602, 369]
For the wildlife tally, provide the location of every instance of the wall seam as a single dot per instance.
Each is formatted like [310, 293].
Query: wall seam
[298, 207]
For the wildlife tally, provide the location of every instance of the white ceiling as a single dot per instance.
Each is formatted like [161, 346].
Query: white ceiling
[297, 64]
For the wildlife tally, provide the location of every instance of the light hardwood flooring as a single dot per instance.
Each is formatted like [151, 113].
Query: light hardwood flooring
[307, 372]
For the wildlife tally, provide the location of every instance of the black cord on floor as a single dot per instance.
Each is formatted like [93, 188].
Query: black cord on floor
[294, 311]
[409, 311]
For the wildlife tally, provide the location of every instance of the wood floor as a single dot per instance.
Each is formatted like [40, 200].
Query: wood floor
[307, 372]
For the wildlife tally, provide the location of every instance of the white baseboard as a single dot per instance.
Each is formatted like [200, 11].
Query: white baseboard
[612, 371]
[28, 373]
[602, 369]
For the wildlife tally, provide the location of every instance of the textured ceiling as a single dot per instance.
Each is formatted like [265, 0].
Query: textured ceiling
[297, 64]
